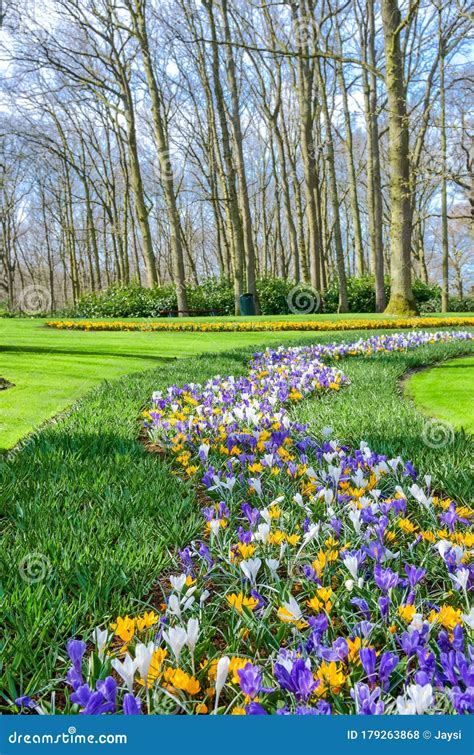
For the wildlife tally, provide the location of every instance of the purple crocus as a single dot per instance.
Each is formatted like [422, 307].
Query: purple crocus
[75, 650]
[367, 700]
[384, 605]
[255, 709]
[386, 579]
[25, 702]
[250, 678]
[368, 660]
[388, 662]
[131, 705]
[298, 679]
[415, 574]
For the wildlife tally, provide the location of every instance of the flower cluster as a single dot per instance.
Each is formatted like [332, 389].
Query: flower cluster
[241, 326]
[326, 580]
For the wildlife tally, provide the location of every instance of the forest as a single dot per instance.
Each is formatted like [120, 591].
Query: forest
[169, 142]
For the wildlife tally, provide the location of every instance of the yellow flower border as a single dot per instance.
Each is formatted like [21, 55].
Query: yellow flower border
[244, 326]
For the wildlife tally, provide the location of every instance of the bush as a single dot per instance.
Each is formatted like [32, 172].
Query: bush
[456, 304]
[360, 294]
[216, 296]
[273, 295]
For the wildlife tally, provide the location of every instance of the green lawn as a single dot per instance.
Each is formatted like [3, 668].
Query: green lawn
[52, 369]
[446, 391]
[102, 516]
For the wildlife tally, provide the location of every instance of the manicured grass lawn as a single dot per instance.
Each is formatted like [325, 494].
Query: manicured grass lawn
[446, 391]
[51, 369]
[103, 516]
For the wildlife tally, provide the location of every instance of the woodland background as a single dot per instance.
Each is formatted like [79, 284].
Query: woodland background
[211, 146]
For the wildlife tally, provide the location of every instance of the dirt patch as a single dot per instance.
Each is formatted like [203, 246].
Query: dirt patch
[4, 384]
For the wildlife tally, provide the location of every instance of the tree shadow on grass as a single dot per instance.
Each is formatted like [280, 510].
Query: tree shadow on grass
[82, 353]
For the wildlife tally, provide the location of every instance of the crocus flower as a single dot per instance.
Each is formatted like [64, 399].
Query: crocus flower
[126, 670]
[388, 662]
[75, 651]
[176, 638]
[192, 634]
[367, 700]
[255, 709]
[131, 705]
[221, 676]
[250, 678]
[416, 701]
[368, 660]
[386, 579]
[414, 574]
[143, 657]
[250, 568]
[298, 679]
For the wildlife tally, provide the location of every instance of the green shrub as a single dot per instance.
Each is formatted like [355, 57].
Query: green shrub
[216, 296]
[273, 295]
[360, 294]
[456, 304]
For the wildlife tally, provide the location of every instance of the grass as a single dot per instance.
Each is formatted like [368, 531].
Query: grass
[51, 369]
[102, 516]
[446, 391]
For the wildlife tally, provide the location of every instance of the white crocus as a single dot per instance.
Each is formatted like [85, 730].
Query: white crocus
[292, 608]
[192, 634]
[419, 699]
[215, 526]
[204, 596]
[273, 564]
[461, 578]
[176, 638]
[419, 494]
[100, 637]
[354, 516]
[250, 568]
[468, 618]
[255, 483]
[204, 449]
[262, 533]
[352, 565]
[310, 534]
[143, 658]
[416, 624]
[221, 676]
[126, 670]
[177, 583]
[174, 606]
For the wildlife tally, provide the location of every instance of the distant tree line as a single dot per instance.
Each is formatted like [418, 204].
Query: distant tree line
[171, 141]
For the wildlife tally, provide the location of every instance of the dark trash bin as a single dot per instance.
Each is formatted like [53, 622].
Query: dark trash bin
[247, 304]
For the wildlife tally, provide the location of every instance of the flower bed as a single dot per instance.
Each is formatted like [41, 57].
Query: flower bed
[242, 326]
[326, 581]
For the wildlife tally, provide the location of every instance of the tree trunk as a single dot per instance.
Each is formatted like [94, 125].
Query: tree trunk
[402, 301]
